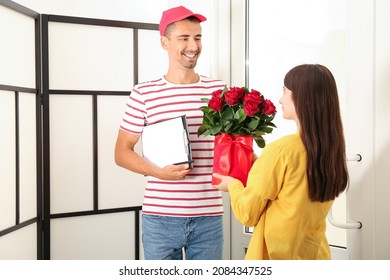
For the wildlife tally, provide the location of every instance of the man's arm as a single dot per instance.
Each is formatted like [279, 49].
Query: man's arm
[126, 157]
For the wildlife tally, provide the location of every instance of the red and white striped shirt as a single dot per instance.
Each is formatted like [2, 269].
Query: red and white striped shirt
[159, 100]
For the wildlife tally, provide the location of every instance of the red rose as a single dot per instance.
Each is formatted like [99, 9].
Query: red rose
[217, 93]
[269, 107]
[216, 103]
[252, 103]
[233, 95]
[238, 104]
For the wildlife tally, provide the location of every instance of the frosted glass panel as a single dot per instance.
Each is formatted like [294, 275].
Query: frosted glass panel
[28, 155]
[315, 32]
[17, 56]
[20, 244]
[108, 236]
[153, 59]
[309, 32]
[71, 175]
[118, 187]
[7, 159]
[86, 57]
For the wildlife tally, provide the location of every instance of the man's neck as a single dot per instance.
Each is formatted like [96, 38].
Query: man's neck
[182, 77]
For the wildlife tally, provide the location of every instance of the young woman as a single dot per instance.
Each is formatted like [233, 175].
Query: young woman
[292, 185]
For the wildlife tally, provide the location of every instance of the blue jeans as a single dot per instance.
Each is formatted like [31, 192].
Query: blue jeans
[164, 237]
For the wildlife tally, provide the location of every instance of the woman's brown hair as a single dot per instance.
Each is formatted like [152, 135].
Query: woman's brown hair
[316, 101]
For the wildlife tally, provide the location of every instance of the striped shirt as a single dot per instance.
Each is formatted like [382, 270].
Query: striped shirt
[159, 100]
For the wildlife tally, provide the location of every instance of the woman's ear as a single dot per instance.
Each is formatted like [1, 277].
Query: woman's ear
[164, 42]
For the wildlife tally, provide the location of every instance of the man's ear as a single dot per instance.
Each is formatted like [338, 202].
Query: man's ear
[164, 42]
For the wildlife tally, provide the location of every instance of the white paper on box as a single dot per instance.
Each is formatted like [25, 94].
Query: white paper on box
[167, 142]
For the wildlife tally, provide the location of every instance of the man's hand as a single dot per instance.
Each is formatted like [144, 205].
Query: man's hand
[173, 172]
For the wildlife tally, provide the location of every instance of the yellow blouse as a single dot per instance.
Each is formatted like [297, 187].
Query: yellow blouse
[287, 224]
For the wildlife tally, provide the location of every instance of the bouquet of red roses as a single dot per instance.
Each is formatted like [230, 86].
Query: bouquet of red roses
[238, 111]
[236, 116]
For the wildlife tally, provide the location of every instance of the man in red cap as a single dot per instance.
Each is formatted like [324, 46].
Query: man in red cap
[182, 212]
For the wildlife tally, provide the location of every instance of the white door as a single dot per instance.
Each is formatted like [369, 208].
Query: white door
[283, 34]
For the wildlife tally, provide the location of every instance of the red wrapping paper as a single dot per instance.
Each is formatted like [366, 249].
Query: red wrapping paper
[232, 156]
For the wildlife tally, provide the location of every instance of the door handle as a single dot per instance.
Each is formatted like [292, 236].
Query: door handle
[346, 225]
[357, 157]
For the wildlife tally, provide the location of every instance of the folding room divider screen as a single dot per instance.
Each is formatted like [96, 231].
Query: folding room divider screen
[84, 206]
[20, 133]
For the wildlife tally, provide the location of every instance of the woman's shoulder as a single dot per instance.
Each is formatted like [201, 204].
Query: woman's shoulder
[291, 139]
[290, 142]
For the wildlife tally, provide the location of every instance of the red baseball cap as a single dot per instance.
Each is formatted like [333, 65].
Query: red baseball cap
[176, 14]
